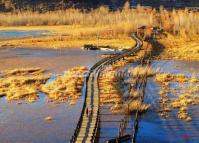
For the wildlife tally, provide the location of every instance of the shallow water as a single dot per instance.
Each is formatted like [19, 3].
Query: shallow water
[55, 61]
[20, 33]
[17, 34]
[24, 123]
[153, 128]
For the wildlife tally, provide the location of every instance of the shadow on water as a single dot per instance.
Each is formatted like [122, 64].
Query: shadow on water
[158, 48]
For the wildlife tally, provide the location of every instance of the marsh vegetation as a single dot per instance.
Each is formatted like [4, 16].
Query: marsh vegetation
[104, 27]
[184, 93]
[24, 84]
[118, 90]
[67, 88]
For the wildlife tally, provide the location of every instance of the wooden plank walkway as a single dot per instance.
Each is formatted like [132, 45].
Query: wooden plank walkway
[88, 124]
[90, 115]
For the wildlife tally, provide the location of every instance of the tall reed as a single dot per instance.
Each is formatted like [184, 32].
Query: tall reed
[182, 22]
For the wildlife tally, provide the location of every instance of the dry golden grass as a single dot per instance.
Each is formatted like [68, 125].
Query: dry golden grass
[141, 71]
[22, 84]
[71, 36]
[177, 47]
[137, 105]
[112, 87]
[181, 22]
[109, 91]
[165, 78]
[66, 88]
[100, 16]
[100, 27]
[193, 79]
[22, 71]
[104, 27]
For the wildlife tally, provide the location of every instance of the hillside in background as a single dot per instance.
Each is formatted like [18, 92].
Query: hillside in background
[46, 5]
[168, 3]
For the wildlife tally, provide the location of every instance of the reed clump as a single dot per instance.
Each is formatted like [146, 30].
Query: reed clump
[67, 88]
[109, 88]
[22, 71]
[115, 88]
[165, 78]
[22, 84]
[141, 71]
[138, 105]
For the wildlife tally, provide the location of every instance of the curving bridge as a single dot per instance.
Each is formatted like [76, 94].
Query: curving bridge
[88, 124]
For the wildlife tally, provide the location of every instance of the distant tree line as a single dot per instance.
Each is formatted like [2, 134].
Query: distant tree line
[46, 5]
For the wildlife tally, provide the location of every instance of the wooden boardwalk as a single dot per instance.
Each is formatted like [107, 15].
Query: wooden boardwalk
[90, 116]
[87, 127]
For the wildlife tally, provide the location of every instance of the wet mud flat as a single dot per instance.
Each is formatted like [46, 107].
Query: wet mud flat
[153, 127]
[41, 121]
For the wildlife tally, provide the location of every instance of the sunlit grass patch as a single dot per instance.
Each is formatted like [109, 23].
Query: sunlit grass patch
[141, 71]
[66, 88]
[22, 84]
